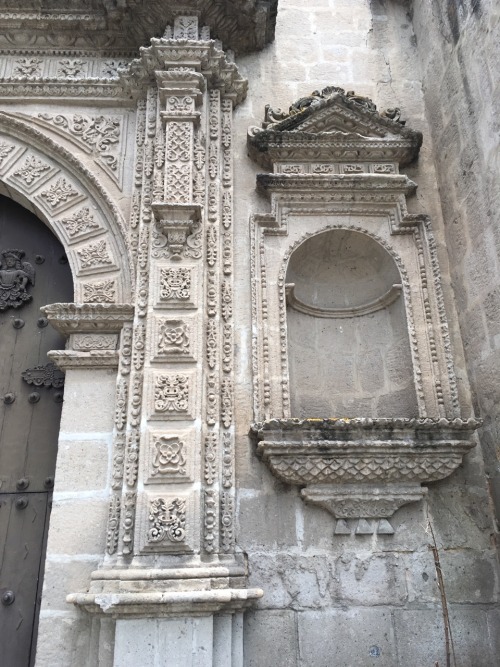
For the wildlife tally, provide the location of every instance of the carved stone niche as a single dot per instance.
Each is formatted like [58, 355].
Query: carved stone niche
[355, 395]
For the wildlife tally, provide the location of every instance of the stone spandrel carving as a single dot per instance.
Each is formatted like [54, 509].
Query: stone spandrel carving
[100, 134]
[15, 277]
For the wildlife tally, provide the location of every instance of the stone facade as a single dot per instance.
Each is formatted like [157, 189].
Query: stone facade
[268, 451]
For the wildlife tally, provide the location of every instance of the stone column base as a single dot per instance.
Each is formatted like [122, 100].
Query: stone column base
[207, 641]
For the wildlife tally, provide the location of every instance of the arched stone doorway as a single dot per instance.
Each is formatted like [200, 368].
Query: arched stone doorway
[34, 271]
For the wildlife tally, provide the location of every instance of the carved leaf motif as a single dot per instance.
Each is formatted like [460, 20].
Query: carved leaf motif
[80, 222]
[31, 169]
[44, 376]
[103, 291]
[100, 133]
[28, 67]
[94, 254]
[59, 192]
[70, 68]
[5, 149]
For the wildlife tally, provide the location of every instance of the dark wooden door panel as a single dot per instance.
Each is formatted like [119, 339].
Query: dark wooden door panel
[29, 424]
[23, 519]
[33, 273]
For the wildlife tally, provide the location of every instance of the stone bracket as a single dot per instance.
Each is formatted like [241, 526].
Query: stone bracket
[176, 223]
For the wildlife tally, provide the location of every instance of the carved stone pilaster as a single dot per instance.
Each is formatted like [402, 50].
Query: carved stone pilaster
[171, 507]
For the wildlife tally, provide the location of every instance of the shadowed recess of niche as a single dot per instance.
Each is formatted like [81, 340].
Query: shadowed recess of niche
[348, 343]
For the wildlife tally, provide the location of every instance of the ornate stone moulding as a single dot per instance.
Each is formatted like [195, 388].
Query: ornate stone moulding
[199, 589]
[69, 318]
[203, 55]
[242, 26]
[168, 604]
[92, 328]
[333, 125]
[363, 468]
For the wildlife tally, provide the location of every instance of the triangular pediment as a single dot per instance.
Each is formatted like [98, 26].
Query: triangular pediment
[327, 120]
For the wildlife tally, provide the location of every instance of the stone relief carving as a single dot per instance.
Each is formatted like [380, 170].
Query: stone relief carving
[59, 193]
[174, 340]
[94, 342]
[31, 169]
[99, 292]
[71, 68]
[100, 134]
[172, 395]
[167, 520]
[5, 150]
[94, 255]
[15, 277]
[169, 458]
[80, 223]
[25, 67]
[175, 284]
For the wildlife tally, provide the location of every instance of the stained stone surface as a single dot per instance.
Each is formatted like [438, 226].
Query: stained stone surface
[346, 599]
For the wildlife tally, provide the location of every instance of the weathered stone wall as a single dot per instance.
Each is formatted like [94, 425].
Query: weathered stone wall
[365, 600]
[459, 49]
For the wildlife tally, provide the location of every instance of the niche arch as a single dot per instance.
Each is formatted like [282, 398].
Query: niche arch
[347, 333]
[49, 181]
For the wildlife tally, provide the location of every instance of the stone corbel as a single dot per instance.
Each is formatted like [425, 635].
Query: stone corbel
[363, 469]
[176, 222]
[93, 331]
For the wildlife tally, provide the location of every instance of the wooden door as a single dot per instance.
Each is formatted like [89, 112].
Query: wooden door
[34, 271]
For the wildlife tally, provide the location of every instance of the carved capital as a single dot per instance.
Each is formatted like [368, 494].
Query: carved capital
[72, 318]
[176, 222]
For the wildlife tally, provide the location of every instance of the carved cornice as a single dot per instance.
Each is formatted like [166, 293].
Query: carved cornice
[356, 183]
[204, 56]
[158, 604]
[100, 24]
[69, 318]
[329, 126]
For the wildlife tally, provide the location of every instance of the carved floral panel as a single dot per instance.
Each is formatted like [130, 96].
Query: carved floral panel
[169, 457]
